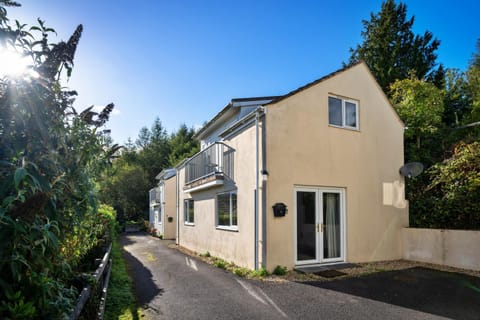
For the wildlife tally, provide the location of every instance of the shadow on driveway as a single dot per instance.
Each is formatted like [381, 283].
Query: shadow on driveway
[145, 288]
[436, 292]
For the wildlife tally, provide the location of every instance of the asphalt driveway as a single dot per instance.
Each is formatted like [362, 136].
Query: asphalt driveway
[446, 294]
[171, 285]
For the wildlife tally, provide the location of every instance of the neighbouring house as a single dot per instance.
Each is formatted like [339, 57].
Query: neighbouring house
[154, 205]
[163, 199]
[311, 177]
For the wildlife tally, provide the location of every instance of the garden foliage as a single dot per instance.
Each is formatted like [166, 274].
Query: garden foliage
[50, 157]
[440, 109]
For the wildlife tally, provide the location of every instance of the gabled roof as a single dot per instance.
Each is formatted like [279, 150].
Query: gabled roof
[236, 102]
[166, 174]
[331, 75]
[268, 100]
[311, 84]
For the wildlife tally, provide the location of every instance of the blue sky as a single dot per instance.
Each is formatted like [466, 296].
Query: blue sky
[184, 60]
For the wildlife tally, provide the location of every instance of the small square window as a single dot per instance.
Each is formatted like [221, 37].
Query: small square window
[342, 113]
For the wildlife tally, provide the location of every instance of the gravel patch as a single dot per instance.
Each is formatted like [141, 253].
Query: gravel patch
[360, 269]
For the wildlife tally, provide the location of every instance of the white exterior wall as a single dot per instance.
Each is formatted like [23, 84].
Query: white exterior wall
[233, 246]
[303, 150]
[455, 248]
[154, 203]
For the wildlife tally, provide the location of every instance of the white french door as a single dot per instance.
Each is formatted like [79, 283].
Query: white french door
[157, 210]
[319, 225]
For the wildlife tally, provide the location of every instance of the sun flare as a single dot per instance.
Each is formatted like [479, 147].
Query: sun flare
[14, 64]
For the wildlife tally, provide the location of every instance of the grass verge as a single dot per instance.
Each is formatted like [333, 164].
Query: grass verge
[120, 298]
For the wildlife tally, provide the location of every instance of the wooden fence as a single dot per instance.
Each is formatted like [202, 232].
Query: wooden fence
[99, 289]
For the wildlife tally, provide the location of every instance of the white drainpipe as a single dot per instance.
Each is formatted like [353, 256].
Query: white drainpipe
[177, 198]
[257, 176]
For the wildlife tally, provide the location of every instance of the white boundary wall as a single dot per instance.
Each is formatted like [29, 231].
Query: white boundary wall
[455, 248]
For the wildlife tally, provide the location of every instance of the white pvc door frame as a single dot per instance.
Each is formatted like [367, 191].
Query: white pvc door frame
[319, 191]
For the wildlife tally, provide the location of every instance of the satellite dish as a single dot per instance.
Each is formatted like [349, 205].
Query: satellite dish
[411, 169]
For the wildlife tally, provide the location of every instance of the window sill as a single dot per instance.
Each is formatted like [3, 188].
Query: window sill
[347, 128]
[225, 228]
[189, 224]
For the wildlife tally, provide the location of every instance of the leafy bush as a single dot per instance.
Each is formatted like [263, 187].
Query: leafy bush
[450, 200]
[220, 263]
[280, 271]
[50, 158]
[206, 254]
[241, 272]
[262, 272]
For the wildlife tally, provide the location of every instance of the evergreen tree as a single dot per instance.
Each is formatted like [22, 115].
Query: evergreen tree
[183, 145]
[473, 79]
[153, 157]
[391, 49]
[457, 98]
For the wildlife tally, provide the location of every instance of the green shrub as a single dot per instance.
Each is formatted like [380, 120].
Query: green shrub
[280, 271]
[51, 157]
[241, 272]
[205, 255]
[262, 272]
[220, 263]
[450, 199]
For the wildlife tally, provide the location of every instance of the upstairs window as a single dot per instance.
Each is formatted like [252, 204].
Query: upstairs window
[342, 113]
[189, 212]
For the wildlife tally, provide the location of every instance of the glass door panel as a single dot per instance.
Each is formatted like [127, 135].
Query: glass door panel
[306, 226]
[331, 225]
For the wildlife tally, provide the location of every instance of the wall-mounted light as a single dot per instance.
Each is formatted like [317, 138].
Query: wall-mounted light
[264, 174]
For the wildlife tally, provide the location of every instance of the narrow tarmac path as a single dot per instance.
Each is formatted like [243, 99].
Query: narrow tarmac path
[171, 285]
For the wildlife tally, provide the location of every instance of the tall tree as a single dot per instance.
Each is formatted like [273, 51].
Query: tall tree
[473, 79]
[391, 49]
[183, 145]
[458, 98]
[420, 105]
[155, 149]
[126, 189]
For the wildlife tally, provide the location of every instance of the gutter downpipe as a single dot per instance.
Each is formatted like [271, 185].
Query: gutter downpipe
[177, 182]
[264, 190]
[255, 247]
[257, 175]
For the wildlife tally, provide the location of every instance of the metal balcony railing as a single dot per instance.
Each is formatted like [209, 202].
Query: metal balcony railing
[155, 195]
[217, 158]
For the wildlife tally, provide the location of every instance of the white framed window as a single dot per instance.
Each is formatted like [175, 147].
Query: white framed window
[227, 210]
[342, 112]
[188, 209]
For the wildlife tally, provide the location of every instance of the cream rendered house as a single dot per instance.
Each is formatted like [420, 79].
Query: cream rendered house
[163, 204]
[308, 178]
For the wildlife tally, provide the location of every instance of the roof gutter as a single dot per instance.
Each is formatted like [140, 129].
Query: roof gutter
[235, 126]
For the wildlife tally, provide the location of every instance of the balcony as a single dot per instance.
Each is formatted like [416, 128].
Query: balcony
[209, 167]
[155, 197]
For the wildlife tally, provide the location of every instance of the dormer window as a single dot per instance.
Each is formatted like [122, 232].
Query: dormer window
[343, 112]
